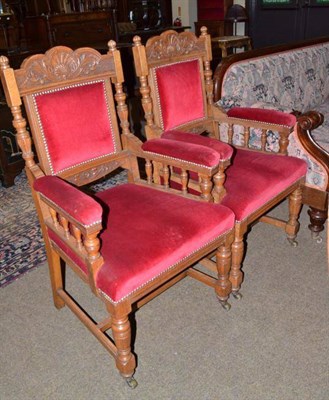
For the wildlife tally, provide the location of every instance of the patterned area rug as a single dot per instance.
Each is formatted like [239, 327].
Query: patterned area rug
[21, 245]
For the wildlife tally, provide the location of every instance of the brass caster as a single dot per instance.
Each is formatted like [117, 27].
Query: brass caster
[225, 305]
[316, 236]
[293, 242]
[131, 382]
[237, 295]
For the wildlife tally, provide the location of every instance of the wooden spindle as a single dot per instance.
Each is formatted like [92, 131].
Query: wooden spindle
[165, 175]
[92, 245]
[246, 135]
[65, 225]
[184, 180]
[148, 170]
[263, 139]
[219, 190]
[95, 260]
[230, 134]
[78, 236]
[53, 215]
[156, 172]
[283, 145]
[206, 187]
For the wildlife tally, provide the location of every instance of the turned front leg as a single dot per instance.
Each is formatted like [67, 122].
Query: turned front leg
[236, 275]
[223, 286]
[125, 360]
[295, 205]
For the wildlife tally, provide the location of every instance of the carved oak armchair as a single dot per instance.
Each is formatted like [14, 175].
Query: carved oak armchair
[177, 97]
[176, 92]
[130, 242]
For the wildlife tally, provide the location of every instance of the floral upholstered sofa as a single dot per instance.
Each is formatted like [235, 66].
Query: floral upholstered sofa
[290, 78]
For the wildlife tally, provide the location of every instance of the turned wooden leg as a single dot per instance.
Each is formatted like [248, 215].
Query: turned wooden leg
[223, 286]
[292, 226]
[317, 220]
[56, 276]
[236, 275]
[125, 360]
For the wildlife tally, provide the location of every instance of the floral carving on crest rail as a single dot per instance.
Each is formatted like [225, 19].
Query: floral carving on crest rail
[62, 63]
[92, 174]
[171, 44]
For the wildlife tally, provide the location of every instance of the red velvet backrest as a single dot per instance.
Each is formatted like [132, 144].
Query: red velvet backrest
[76, 124]
[179, 93]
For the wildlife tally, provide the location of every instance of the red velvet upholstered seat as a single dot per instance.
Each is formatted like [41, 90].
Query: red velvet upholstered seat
[254, 179]
[135, 218]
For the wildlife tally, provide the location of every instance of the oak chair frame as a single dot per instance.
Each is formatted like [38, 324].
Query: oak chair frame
[174, 47]
[40, 73]
[185, 45]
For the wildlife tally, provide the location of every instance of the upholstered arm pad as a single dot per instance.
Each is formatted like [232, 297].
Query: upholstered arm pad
[224, 150]
[183, 151]
[77, 205]
[263, 115]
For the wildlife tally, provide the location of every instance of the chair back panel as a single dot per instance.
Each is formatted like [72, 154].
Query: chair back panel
[69, 101]
[175, 81]
[178, 87]
[75, 124]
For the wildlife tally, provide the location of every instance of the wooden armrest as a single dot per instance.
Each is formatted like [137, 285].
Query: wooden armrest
[265, 120]
[163, 153]
[183, 154]
[184, 159]
[76, 206]
[75, 218]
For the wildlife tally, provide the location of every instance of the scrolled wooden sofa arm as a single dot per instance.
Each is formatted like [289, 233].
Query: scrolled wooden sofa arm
[305, 124]
[310, 120]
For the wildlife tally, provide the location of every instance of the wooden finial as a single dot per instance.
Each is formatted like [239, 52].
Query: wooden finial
[112, 45]
[137, 40]
[4, 62]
